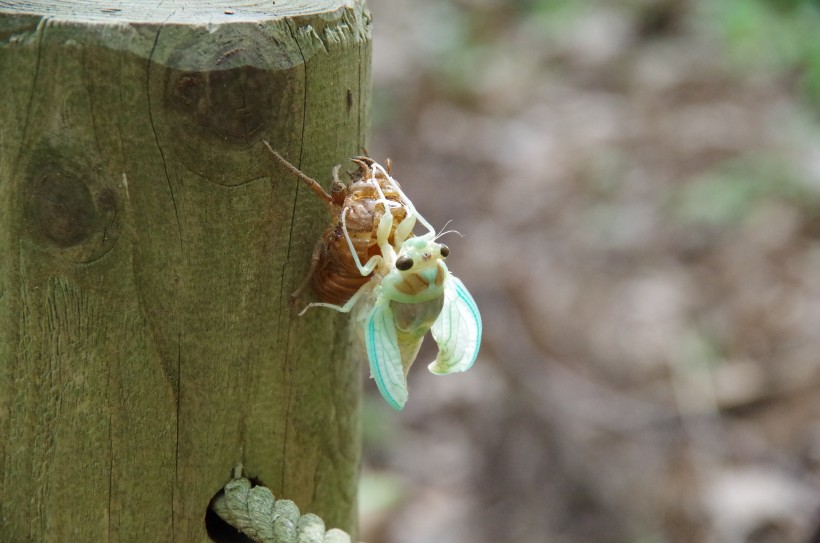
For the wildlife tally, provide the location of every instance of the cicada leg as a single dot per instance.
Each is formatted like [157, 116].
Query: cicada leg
[387, 203]
[413, 210]
[385, 223]
[309, 181]
[341, 308]
[383, 235]
[404, 229]
[314, 262]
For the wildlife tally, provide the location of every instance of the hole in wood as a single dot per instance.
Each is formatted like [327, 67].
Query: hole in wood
[220, 531]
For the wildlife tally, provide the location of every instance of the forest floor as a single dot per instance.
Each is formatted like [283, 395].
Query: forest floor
[638, 189]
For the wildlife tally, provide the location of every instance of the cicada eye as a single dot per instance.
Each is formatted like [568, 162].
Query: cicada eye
[444, 250]
[404, 263]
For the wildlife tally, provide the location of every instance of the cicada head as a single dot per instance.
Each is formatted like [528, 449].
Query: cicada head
[420, 253]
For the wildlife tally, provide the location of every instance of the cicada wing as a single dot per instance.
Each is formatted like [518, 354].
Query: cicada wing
[384, 355]
[457, 330]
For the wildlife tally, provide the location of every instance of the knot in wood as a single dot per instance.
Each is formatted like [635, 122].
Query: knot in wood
[229, 104]
[67, 209]
[62, 208]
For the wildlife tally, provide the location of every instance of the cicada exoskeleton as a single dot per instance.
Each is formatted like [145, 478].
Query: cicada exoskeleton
[355, 208]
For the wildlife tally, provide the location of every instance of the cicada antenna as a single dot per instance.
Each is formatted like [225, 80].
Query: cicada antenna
[445, 232]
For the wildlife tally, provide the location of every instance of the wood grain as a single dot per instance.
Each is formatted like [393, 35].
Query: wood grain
[148, 247]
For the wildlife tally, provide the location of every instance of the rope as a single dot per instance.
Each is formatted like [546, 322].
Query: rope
[256, 513]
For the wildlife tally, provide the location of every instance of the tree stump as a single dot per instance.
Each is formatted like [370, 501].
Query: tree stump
[148, 250]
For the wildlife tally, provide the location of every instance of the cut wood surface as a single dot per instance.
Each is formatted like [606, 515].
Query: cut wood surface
[148, 249]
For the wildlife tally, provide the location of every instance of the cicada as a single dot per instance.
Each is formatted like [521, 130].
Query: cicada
[416, 294]
[407, 289]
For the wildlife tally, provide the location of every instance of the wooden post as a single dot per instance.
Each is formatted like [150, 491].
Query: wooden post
[148, 248]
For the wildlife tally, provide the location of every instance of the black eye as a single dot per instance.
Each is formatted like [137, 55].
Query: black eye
[445, 251]
[404, 263]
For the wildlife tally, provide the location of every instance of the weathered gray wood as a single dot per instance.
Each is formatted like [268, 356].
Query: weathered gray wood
[148, 247]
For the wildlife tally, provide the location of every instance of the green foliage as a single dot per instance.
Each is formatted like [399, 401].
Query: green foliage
[555, 15]
[729, 194]
[775, 35]
[380, 491]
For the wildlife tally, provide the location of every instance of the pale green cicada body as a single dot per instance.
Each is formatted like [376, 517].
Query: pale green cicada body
[410, 293]
[398, 321]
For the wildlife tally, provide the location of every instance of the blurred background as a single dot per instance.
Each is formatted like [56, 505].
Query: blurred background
[638, 186]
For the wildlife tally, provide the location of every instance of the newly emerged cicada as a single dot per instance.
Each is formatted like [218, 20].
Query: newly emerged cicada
[407, 289]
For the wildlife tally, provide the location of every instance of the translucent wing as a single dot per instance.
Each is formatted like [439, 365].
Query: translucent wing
[384, 355]
[457, 329]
